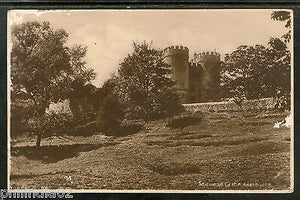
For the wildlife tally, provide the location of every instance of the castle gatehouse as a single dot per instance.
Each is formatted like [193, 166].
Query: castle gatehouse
[197, 79]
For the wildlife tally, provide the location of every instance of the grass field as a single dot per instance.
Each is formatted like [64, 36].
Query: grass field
[236, 150]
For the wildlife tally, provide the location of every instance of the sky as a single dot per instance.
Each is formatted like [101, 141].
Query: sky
[109, 34]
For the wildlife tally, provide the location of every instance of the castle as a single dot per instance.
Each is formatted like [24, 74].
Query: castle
[198, 79]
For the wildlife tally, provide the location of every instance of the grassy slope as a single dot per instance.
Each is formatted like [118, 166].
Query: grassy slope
[231, 148]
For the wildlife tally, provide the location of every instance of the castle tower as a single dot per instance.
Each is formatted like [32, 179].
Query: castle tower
[177, 57]
[195, 81]
[210, 83]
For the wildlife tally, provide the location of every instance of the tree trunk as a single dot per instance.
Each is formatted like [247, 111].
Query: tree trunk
[38, 140]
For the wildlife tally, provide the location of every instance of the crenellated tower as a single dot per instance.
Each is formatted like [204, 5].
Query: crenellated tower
[197, 80]
[177, 57]
[210, 79]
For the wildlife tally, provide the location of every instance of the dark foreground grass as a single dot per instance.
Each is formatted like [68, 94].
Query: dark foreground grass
[221, 151]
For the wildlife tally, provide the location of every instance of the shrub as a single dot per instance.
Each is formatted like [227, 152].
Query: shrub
[49, 124]
[88, 129]
[127, 127]
[283, 102]
[184, 120]
[110, 113]
[84, 124]
[18, 121]
[238, 96]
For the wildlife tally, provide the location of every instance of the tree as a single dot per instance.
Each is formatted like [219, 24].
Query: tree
[43, 67]
[282, 95]
[238, 96]
[110, 113]
[50, 124]
[284, 16]
[259, 70]
[108, 89]
[144, 87]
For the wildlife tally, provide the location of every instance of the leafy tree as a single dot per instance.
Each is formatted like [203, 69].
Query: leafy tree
[43, 67]
[259, 70]
[111, 113]
[143, 84]
[238, 96]
[50, 124]
[282, 95]
[284, 16]
[108, 89]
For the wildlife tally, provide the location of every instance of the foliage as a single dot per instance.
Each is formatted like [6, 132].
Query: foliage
[43, 67]
[80, 71]
[282, 101]
[284, 16]
[261, 71]
[143, 84]
[258, 70]
[106, 90]
[87, 129]
[238, 95]
[126, 127]
[49, 125]
[18, 123]
[183, 121]
[111, 113]
[82, 98]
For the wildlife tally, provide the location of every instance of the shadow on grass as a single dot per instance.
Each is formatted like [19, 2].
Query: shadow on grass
[188, 136]
[183, 121]
[13, 177]
[124, 130]
[52, 154]
[262, 148]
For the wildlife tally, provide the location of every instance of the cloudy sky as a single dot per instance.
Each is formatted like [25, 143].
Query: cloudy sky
[109, 34]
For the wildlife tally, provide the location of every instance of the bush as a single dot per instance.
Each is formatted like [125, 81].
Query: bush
[283, 103]
[238, 95]
[110, 113]
[49, 125]
[184, 121]
[84, 124]
[88, 129]
[18, 121]
[127, 127]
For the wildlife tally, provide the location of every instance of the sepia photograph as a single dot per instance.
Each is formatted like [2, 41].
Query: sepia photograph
[182, 100]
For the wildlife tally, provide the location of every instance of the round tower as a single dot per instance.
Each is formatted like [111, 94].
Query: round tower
[211, 65]
[177, 57]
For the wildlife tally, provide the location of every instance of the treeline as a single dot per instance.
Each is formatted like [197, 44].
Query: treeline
[254, 72]
[45, 71]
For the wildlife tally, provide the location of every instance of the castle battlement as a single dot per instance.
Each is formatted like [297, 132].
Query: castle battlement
[208, 54]
[176, 50]
[197, 79]
[193, 64]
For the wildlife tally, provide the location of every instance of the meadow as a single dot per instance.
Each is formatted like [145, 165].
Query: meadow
[222, 151]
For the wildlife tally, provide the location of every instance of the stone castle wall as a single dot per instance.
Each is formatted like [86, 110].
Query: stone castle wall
[177, 57]
[210, 62]
[197, 80]
[264, 104]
